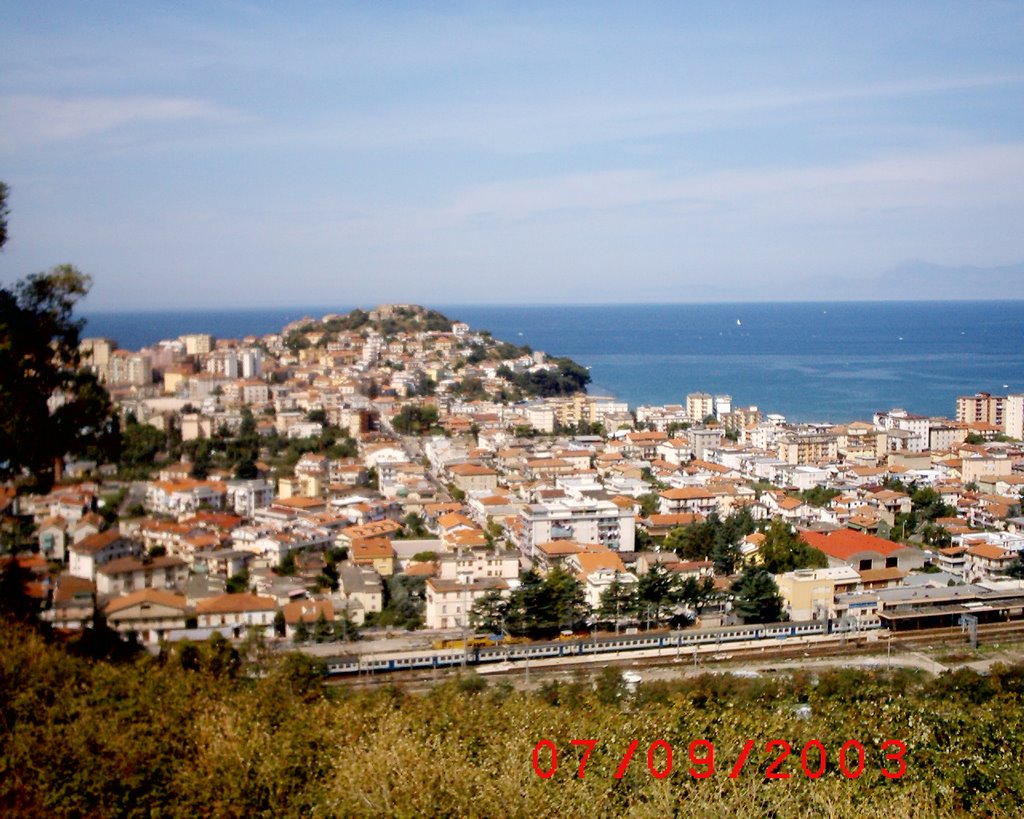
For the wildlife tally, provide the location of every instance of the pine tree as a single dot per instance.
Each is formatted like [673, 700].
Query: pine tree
[757, 596]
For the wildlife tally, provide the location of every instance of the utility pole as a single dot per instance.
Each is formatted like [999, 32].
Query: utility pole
[465, 617]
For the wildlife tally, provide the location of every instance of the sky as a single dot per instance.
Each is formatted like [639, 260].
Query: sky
[202, 154]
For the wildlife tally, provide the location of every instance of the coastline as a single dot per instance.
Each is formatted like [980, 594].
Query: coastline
[810, 361]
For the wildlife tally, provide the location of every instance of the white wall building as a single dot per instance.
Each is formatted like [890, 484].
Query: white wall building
[97, 550]
[449, 602]
[585, 521]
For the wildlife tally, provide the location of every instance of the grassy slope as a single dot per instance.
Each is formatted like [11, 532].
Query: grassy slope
[80, 737]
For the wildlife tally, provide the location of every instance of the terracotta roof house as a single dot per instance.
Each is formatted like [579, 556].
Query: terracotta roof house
[863, 551]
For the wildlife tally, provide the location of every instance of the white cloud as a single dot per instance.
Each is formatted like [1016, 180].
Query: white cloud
[977, 175]
[32, 119]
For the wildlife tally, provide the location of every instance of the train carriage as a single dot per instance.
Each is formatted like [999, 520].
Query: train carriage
[481, 651]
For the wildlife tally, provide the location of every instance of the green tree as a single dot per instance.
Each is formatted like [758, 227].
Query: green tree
[15, 601]
[726, 556]
[140, 444]
[40, 368]
[567, 600]
[202, 460]
[222, 659]
[617, 602]
[489, 612]
[657, 592]
[725, 551]
[243, 450]
[648, 504]
[493, 531]
[928, 505]
[543, 606]
[405, 602]
[904, 525]
[697, 593]
[935, 535]
[424, 556]
[322, 630]
[782, 551]
[1016, 568]
[300, 634]
[287, 567]
[757, 596]
[4, 190]
[415, 420]
[345, 630]
[237, 583]
[414, 526]
[819, 495]
[696, 541]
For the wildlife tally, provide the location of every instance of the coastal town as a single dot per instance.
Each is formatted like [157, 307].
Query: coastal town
[371, 473]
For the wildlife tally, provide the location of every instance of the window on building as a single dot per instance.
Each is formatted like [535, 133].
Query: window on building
[890, 563]
[865, 565]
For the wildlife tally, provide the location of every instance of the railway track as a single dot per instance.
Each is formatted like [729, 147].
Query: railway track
[1009, 633]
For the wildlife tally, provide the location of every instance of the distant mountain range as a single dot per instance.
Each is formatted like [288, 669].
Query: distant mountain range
[924, 281]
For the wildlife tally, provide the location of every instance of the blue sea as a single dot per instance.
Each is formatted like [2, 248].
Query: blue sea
[811, 362]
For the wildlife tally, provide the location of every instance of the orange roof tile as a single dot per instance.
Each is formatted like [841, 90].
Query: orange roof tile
[96, 543]
[227, 603]
[844, 543]
[686, 493]
[372, 548]
[559, 548]
[158, 596]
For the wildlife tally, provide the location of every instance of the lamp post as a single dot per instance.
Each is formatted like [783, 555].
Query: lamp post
[465, 615]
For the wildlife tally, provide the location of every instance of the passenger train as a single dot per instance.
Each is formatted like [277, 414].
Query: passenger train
[679, 640]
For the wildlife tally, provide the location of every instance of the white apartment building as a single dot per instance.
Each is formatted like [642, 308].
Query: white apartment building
[981, 407]
[479, 565]
[129, 574]
[197, 343]
[1013, 416]
[129, 368]
[541, 418]
[96, 353]
[244, 497]
[184, 497]
[699, 405]
[899, 419]
[449, 602]
[239, 612]
[98, 550]
[584, 521]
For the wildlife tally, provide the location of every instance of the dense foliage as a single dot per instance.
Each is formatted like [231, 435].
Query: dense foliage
[566, 378]
[713, 538]
[539, 607]
[757, 598]
[415, 420]
[194, 733]
[49, 405]
[3, 213]
[782, 551]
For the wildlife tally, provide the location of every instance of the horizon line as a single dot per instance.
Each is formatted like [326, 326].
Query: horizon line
[437, 305]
